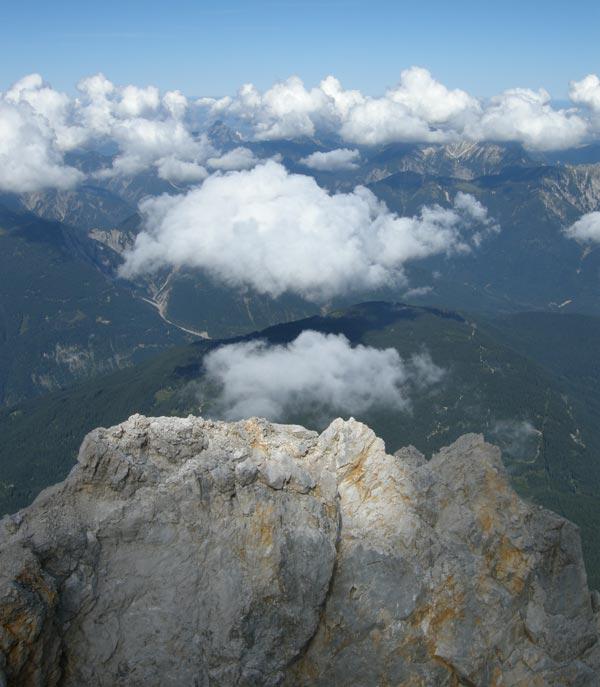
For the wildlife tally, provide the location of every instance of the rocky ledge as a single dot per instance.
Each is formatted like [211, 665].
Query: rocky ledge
[186, 552]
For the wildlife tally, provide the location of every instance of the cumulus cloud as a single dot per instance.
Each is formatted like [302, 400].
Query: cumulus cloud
[586, 92]
[135, 101]
[417, 292]
[163, 132]
[238, 158]
[418, 109]
[380, 120]
[30, 159]
[429, 99]
[340, 159]
[286, 110]
[315, 374]
[52, 109]
[275, 232]
[412, 111]
[527, 116]
[146, 142]
[174, 170]
[39, 124]
[586, 229]
[149, 130]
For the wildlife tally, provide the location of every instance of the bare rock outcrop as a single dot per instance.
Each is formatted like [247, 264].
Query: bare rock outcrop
[186, 552]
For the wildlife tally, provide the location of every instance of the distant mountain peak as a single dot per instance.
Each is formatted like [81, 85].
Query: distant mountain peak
[223, 136]
[462, 159]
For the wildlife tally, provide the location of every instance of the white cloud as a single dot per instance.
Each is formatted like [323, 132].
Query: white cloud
[586, 92]
[343, 101]
[34, 132]
[274, 231]
[586, 229]
[30, 159]
[53, 110]
[102, 105]
[238, 158]
[286, 110]
[418, 109]
[175, 103]
[315, 374]
[405, 113]
[146, 142]
[39, 124]
[380, 121]
[417, 292]
[135, 101]
[174, 170]
[527, 116]
[148, 130]
[95, 107]
[154, 130]
[430, 100]
[340, 159]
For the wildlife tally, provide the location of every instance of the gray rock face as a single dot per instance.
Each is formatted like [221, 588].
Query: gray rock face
[193, 553]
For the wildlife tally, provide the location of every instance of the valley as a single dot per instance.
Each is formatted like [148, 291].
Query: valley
[528, 265]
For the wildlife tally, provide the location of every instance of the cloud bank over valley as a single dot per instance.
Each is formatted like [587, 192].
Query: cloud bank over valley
[278, 232]
[315, 374]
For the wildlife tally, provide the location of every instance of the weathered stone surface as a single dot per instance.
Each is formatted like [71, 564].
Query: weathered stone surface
[191, 552]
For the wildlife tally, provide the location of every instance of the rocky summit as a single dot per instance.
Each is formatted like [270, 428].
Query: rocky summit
[187, 552]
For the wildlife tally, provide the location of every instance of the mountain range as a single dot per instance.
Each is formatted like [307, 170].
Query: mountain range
[77, 237]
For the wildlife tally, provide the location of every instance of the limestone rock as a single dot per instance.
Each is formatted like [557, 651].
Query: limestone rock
[193, 553]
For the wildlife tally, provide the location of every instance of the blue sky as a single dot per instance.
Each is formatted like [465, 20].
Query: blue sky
[211, 48]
